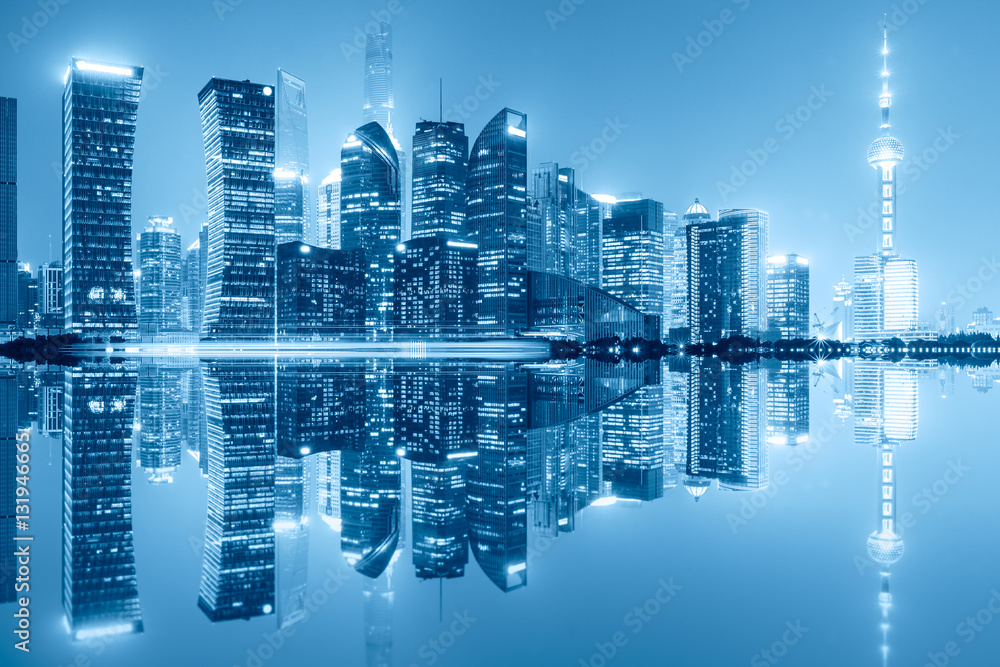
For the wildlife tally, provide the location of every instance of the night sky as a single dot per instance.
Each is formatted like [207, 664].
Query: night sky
[680, 121]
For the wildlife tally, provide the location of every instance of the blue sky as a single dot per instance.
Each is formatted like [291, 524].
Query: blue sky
[679, 121]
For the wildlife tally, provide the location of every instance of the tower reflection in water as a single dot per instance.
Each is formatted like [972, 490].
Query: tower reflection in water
[442, 457]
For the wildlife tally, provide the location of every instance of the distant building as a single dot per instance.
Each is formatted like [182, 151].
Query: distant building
[160, 420]
[50, 296]
[328, 212]
[552, 245]
[370, 200]
[496, 221]
[632, 254]
[591, 212]
[292, 210]
[27, 298]
[946, 319]
[159, 278]
[192, 290]
[8, 212]
[436, 288]
[787, 403]
[788, 296]
[321, 292]
[238, 126]
[99, 298]
[440, 169]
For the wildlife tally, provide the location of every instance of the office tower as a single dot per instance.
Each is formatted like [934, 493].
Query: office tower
[843, 311]
[496, 221]
[370, 494]
[192, 289]
[50, 403]
[440, 167]
[97, 197]
[8, 212]
[436, 288]
[552, 470]
[632, 253]
[680, 271]
[591, 212]
[291, 174]
[27, 298]
[497, 478]
[328, 489]
[788, 296]
[320, 292]
[237, 120]
[100, 591]
[50, 296]
[633, 440]
[946, 319]
[328, 212]
[726, 427]
[320, 408]
[670, 226]
[886, 294]
[194, 422]
[787, 403]
[237, 578]
[370, 216]
[159, 277]
[552, 244]
[8, 484]
[380, 105]
[726, 295]
[160, 422]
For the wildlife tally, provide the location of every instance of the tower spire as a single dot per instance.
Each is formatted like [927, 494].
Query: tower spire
[885, 100]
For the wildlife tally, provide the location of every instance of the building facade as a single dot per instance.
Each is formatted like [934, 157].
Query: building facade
[788, 296]
[159, 277]
[436, 280]
[440, 168]
[632, 254]
[552, 241]
[97, 197]
[292, 209]
[321, 292]
[8, 212]
[328, 212]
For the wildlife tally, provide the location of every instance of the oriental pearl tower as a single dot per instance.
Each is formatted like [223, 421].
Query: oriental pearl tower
[885, 154]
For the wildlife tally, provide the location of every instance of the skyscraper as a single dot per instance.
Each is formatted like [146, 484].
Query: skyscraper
[160, 420]
[440, 168]
[321, 292]
[159, 277]
[788, 296]
[497, 221]
[237, 119]
[886, 296]
[591, 212]
[27, 298]
[292, 211]
[679, 270]
[328, 212]
[436, 288]
[8, 212]
[50, 296]
[726, 264]
[787, 403]
[192, 292]
[370, 216]
[552, 194]
[97, 197]
[632, 252]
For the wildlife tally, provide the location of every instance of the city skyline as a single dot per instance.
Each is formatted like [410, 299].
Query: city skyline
[856, 85]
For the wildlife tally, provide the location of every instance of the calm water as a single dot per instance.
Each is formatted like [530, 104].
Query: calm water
[370, 513]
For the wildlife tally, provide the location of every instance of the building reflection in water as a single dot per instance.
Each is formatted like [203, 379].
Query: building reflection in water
[160, 408]
[100, 592]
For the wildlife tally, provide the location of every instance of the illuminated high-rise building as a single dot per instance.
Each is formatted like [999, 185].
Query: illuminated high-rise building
[8, 212]
[321, 292]
[787, 403]
[50, 296]
[237, 120]
[328, 212]
[292, 211]
[159, 277]
[552, 247]
[440, 168]
[496, 221]
[436, 288]
[632, 254]
[788, 296]
[97, 197]
[160, 422]
[886, 286]
[370, 199]
[192, 289]
[632, 436]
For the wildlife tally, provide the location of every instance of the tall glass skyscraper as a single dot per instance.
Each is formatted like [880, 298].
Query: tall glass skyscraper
[591, 212]
[497, 221]
[788, 296]
[328, 212]
[99, 112]
[159, 277]
[552, 195]
[440, 166]
[370, 216]
[632, 254]
[8, 212]
[292, 211]
[160, 418]
[237, 119]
